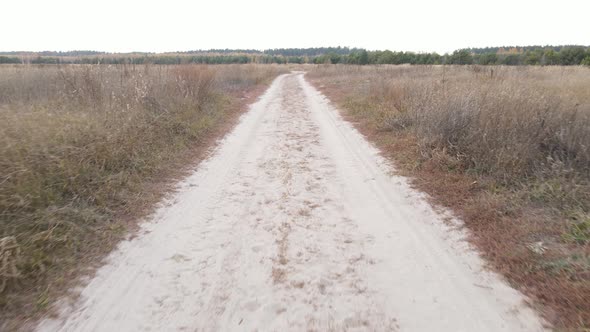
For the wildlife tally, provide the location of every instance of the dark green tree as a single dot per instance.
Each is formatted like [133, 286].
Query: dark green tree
[460, 57]
[488, 59]
[511, 60]
[572, 56]
[363, 57]
[386, 57]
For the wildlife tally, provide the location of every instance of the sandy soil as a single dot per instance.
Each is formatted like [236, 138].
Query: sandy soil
[295, 223]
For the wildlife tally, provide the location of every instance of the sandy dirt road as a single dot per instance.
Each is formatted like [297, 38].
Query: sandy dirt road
[295, 223]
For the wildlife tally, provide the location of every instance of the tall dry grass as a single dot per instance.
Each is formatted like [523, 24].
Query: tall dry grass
[80, 146]
[516, 124]
[508, 148]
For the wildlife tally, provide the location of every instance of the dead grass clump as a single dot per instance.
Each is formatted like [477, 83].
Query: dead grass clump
[9, 256]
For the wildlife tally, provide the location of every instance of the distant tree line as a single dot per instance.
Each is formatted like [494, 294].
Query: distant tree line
[565, 56]
[512, 56]
[311, 52]
[519, 49]
[287, 52]
[221, 51]
[9, 59]
[52, 53]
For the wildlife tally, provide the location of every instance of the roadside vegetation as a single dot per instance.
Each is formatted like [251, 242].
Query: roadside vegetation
[507, 148]
[87, 149]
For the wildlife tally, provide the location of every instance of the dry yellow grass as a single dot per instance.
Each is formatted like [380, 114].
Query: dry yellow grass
[81, 150]
[508, 148]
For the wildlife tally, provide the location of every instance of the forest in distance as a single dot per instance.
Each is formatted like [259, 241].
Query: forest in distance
[566, 55]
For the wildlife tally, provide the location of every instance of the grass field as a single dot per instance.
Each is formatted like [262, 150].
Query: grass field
[507, 148]
[87, 149]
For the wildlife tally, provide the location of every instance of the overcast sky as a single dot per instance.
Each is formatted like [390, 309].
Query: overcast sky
[171, 25]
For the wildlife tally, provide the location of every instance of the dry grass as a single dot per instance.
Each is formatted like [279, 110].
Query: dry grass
[83, 146]
[508, 148]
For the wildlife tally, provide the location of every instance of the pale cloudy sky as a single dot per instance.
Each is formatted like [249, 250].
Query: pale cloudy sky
[158, 26]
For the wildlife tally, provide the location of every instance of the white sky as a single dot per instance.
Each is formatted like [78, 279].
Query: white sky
[171, 25]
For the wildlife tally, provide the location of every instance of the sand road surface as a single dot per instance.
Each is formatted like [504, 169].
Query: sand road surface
[295, 223]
